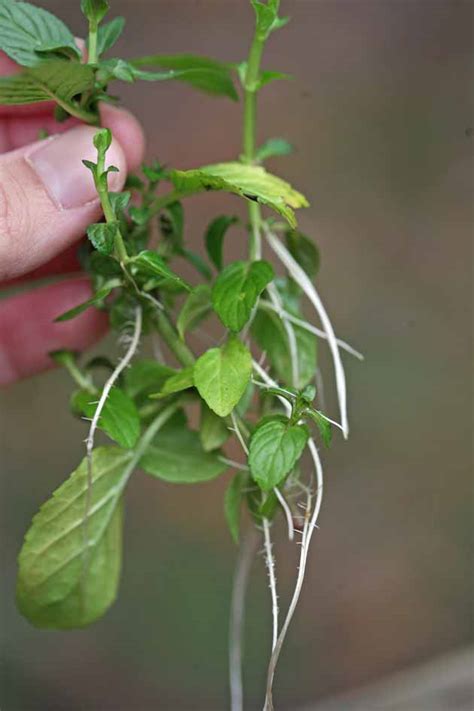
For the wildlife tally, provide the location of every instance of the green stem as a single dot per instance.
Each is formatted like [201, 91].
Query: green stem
[173, 341]
[249, 138]
[92, 43]
[164, 200]
[102, 190]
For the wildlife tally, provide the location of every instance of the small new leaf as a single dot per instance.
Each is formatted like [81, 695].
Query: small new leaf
[221, 375]
[273, 147]
[323, 425]
[94, 10]
[237, 289]
[214, 238]
[26, 32]
[151, 264]
[96, 300]
[275, 447]
[102, 236]
[108, 34]
[176, 383]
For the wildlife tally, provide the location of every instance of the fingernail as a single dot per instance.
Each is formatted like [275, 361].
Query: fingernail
[58, 164]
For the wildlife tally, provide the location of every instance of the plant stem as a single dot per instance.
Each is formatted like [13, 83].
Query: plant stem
[92, 43]
[102, 190]
[247, 551]
[173, 341]
[249, 138]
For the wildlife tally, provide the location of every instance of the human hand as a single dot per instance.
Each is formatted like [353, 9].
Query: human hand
[47, 200]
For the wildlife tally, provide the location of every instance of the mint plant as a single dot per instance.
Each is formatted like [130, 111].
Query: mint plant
[257, 384]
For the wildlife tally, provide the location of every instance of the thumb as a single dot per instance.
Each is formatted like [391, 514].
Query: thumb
[48, 197]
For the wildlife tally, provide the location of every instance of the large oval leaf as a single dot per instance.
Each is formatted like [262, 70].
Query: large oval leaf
[60, 583]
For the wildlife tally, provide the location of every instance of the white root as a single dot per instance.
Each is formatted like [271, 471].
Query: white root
[300, 276]
[286, 511]
[270, 562]
[122, 364]
[264, 304]
[308, 528]
[290, 334]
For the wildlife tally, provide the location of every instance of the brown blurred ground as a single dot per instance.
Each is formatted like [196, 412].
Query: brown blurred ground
[380, 113]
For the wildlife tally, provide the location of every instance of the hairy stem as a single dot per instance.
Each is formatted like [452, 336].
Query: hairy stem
[247, 550]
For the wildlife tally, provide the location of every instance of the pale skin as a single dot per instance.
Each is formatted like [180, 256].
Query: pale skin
[47, 200]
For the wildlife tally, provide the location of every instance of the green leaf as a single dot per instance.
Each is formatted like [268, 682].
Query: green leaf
[108, 34]
[196, 307]
[145, 377]
[197, 261]
[140, 215]
[304, 251]
[103, 265]
[221, 375]
[119, 202]
[26, 31]
[94, 10]
[323, 424]
[269, 332]
[249, 181]
[55, 79]
[151, 264]
[275, 447]
[95, 300]
[213, 431]
[273, 147]
[267, 17]
[214, 238]
[102, 235]
[237, 289]
[176, 456]
[267, 77]
[119, 417]
[202, 73]
[60, 583]
[176, 383]
[110, 69]
[246, 400]
[233, 504]
[172, 224]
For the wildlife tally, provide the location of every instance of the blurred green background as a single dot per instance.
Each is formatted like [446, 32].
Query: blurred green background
[380, 114]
